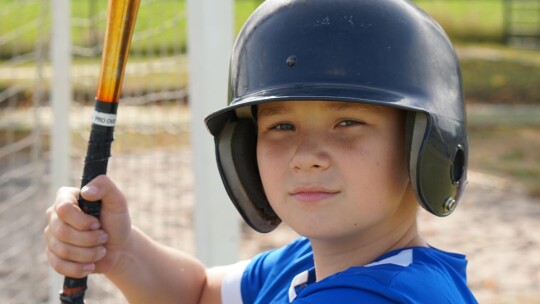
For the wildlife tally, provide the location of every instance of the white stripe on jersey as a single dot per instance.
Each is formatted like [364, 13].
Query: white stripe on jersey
[403, 258]
[231, 287]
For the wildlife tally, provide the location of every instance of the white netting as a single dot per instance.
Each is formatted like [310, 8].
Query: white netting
[151, 156]
[22, 152]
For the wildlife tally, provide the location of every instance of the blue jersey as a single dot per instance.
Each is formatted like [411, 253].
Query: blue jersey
[409, 275]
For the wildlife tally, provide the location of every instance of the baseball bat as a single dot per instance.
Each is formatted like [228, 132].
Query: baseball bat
[121, 16]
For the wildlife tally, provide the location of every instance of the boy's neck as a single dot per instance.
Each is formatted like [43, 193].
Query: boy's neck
[338, 255]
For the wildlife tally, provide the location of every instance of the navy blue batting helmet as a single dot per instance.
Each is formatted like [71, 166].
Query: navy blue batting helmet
[384, 52]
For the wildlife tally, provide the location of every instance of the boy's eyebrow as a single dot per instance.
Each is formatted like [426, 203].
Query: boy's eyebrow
[282, 108]
[343, 106]
[272, 110]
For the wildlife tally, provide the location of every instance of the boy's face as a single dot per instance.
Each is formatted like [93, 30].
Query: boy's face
[333, 169]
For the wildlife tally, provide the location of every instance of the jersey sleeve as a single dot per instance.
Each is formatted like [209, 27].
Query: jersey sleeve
[256, 274]
[244, 279]
[231, 287]
[266, 275]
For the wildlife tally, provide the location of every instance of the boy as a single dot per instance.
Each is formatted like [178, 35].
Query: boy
[343, 116]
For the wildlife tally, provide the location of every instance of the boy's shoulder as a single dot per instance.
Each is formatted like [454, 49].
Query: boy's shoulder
[408, 275]
[402, 275]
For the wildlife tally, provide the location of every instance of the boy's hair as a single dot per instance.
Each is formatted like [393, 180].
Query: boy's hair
[384, 52]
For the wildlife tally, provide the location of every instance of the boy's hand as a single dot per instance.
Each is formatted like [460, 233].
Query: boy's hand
[79, 244]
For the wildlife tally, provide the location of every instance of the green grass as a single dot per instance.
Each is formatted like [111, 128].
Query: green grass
[242, 11]
[14, 27]
[508, 151]
[509, 77]
[503, 80]
[160, 26]
[468, 20]
[165, 18]
[500, 81]
[464, 20]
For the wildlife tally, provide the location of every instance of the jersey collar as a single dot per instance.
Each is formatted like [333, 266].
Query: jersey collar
[402, 258]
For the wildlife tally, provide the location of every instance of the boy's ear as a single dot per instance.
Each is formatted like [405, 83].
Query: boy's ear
[236, 153]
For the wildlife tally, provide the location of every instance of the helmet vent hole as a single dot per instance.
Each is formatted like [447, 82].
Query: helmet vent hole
[291, 61]
[458, 164]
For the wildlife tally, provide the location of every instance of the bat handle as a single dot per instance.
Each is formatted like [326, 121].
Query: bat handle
[73, 290]
[95, 163]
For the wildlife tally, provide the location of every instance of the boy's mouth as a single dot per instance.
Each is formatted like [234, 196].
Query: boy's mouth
[312, 193]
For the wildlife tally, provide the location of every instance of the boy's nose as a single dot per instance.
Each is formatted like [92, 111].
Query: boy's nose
[310, 155]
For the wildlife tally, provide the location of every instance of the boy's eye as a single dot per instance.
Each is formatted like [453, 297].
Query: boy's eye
[283, 127]
[348, 122]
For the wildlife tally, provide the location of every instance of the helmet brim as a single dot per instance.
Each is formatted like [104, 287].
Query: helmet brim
[323, 92]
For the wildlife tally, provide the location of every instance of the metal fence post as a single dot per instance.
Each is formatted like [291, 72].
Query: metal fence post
[210, 37]
[61, 95]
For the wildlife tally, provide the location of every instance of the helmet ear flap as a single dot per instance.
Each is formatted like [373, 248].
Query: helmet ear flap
[415, 130]
[438, 176]
[237, 162]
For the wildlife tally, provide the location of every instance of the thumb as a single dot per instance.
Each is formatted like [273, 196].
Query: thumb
[114, 215]
[103, 188]
[114, 218]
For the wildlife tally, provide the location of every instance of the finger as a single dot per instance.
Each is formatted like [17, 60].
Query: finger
[114, 216]
[76, 254]
[62, 197]
[70, 269]
[67, 191]
[65, 233]
[102, 188]
[70, 213]
[66, 195]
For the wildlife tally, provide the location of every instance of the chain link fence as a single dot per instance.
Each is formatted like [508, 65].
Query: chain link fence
[23, 171]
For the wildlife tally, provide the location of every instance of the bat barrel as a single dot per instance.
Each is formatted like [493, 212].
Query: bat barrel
[120, 26]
